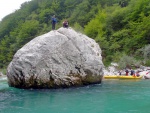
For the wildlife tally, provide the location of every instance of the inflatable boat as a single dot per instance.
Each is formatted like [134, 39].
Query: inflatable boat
[129, 77]
[121, 77]
[110, 76]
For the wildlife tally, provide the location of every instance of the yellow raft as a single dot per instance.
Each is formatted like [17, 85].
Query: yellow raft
[129, 77]
[111, 76]
[121, 77]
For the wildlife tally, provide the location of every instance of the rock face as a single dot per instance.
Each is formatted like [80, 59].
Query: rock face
[58, 59]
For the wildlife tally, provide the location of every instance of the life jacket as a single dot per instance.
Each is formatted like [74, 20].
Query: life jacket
[54, 20]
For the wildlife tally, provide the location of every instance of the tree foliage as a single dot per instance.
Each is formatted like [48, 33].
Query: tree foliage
[125, 29]
[118, 26]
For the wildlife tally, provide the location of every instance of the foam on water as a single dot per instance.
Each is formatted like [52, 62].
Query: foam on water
[3, 78]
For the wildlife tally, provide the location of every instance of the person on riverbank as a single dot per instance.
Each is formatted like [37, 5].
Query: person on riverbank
[148, 72]
[120, 72]
[53, 21]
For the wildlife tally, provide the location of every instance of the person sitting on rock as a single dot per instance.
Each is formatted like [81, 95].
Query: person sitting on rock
[65, 24]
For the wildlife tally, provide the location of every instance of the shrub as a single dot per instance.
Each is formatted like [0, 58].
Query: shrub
[128, 62]
[146, 52]
[147, 63]
[78, 28]
[3, 71]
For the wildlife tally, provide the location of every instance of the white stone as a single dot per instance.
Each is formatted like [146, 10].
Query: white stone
[60, 58]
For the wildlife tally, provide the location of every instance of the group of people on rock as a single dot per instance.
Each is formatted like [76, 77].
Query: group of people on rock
[54, 21]
[131, 72]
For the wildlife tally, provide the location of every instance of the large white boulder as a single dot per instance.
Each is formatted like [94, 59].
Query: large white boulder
[60, 58]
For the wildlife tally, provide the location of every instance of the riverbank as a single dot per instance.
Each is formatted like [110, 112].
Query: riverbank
[113, 70]
[1, 74]
[3, 78]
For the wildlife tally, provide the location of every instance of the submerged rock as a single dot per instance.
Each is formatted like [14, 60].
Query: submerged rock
[60, 58]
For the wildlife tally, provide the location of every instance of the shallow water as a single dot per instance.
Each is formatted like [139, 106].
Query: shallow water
[112, 96]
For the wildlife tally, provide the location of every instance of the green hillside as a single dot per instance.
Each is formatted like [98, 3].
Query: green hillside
[121, 27]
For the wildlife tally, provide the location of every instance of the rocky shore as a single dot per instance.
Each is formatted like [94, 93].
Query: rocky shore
[2, 76]
[113, 70]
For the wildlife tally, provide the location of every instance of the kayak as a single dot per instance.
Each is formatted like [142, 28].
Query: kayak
[129, 77]
[111, 76]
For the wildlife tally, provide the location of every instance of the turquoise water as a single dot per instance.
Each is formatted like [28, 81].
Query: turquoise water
[112, 96]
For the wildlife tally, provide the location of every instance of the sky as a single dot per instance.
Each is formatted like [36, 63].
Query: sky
[9, 6]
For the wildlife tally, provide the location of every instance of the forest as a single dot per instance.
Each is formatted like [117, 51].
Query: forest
[120, 27]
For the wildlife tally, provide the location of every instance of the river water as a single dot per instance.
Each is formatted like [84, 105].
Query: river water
[112, 96]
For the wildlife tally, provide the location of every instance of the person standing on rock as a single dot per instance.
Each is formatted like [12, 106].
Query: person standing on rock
[54, 21]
